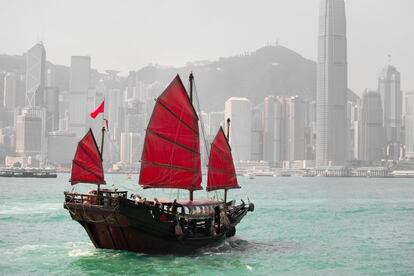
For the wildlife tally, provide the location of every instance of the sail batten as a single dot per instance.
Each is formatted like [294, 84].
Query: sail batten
[221, 171]
[87, 163]
[178, 118]
[174, 142]
[171, 153]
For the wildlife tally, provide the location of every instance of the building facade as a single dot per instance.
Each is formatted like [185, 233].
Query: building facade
[35, 75]
[391, 98]
[371, 142]
[332, 84]
[239, 111]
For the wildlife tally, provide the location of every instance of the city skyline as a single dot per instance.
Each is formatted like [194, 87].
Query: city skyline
[127, 48]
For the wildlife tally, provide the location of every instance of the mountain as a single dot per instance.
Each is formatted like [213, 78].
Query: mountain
[272, 70]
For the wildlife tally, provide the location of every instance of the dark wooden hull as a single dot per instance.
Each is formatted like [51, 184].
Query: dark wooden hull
[132, 227]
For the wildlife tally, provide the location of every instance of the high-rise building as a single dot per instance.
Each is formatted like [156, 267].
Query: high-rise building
[371, 132]
[295, 124]
[61, 146]
[52, 108]
[331, 117]
[284, 129]
[257, 134]
[2, 75]
[78, 94]
[131, 147]
[409, 125]
[28, 134]
[269, 130]
[391, 97]
[80, 73]
[239, 111]
[35, 75]
[9, 101]
[216, 119]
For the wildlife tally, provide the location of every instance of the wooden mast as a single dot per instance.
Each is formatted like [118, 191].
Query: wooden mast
[101, 153]
[228, 141]
[191, 79]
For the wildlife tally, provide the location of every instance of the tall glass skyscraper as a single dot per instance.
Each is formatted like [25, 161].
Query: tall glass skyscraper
[391, 96]
[35, 75]
[332, 85]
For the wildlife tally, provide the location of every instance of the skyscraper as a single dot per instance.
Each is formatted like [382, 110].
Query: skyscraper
[371, 141]
[35, 75]
[332, 82]
[409, 125]
[80, 70]
[79, 83]
[28, 134]
[269, 130]
[10, 91]
[295, 124]
[391, 97]
[239, 111]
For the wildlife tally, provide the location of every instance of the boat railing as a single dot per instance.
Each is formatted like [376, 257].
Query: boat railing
[106, 199]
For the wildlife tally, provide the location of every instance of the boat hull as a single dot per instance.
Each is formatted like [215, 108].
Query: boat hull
[132, 227]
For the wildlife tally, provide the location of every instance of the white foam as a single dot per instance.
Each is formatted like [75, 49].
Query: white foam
[81, 253]
[23, 209]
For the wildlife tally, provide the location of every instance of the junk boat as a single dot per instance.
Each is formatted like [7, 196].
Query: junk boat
[170, 159]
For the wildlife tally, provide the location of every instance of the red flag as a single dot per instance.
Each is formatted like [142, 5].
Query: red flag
[100, 109]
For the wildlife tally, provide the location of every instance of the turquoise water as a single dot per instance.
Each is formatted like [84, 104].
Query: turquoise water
[310, 226]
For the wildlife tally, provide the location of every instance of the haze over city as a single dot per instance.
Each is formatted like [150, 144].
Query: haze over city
[291, 76]
[129, 35]
[189, 137]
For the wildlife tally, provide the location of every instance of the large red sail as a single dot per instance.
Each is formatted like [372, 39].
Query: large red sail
[171, 154]
[221, 172]
[87, 163]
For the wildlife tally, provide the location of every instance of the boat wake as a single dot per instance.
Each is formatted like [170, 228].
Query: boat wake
[237, 245]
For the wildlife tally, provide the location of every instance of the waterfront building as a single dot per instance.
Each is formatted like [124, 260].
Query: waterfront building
[131, 148]
[371, 142]
[332, 85]
[269, 125]
[409, 125]
[391, 98]
[28, 134]
[257, 135]
[295, 125]
[61, 147]
[239, 111]
[284, 128]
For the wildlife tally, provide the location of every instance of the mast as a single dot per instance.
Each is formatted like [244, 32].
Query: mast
[228, 141]
[101, 153]
[191, 79]
[171, 152]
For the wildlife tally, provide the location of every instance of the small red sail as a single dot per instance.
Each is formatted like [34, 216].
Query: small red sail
[221, 172]
[171, 154]
[87, 163]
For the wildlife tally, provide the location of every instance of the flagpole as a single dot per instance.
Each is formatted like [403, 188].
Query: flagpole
[103, 131]
[102, 145]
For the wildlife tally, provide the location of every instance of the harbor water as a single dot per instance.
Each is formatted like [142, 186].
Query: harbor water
[300, 226]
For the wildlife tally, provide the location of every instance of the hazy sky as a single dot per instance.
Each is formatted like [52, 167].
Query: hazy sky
[129, 34]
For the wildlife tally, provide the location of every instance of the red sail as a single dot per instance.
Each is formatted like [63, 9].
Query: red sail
[171, 154]
[87, 163]
[221, 172]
